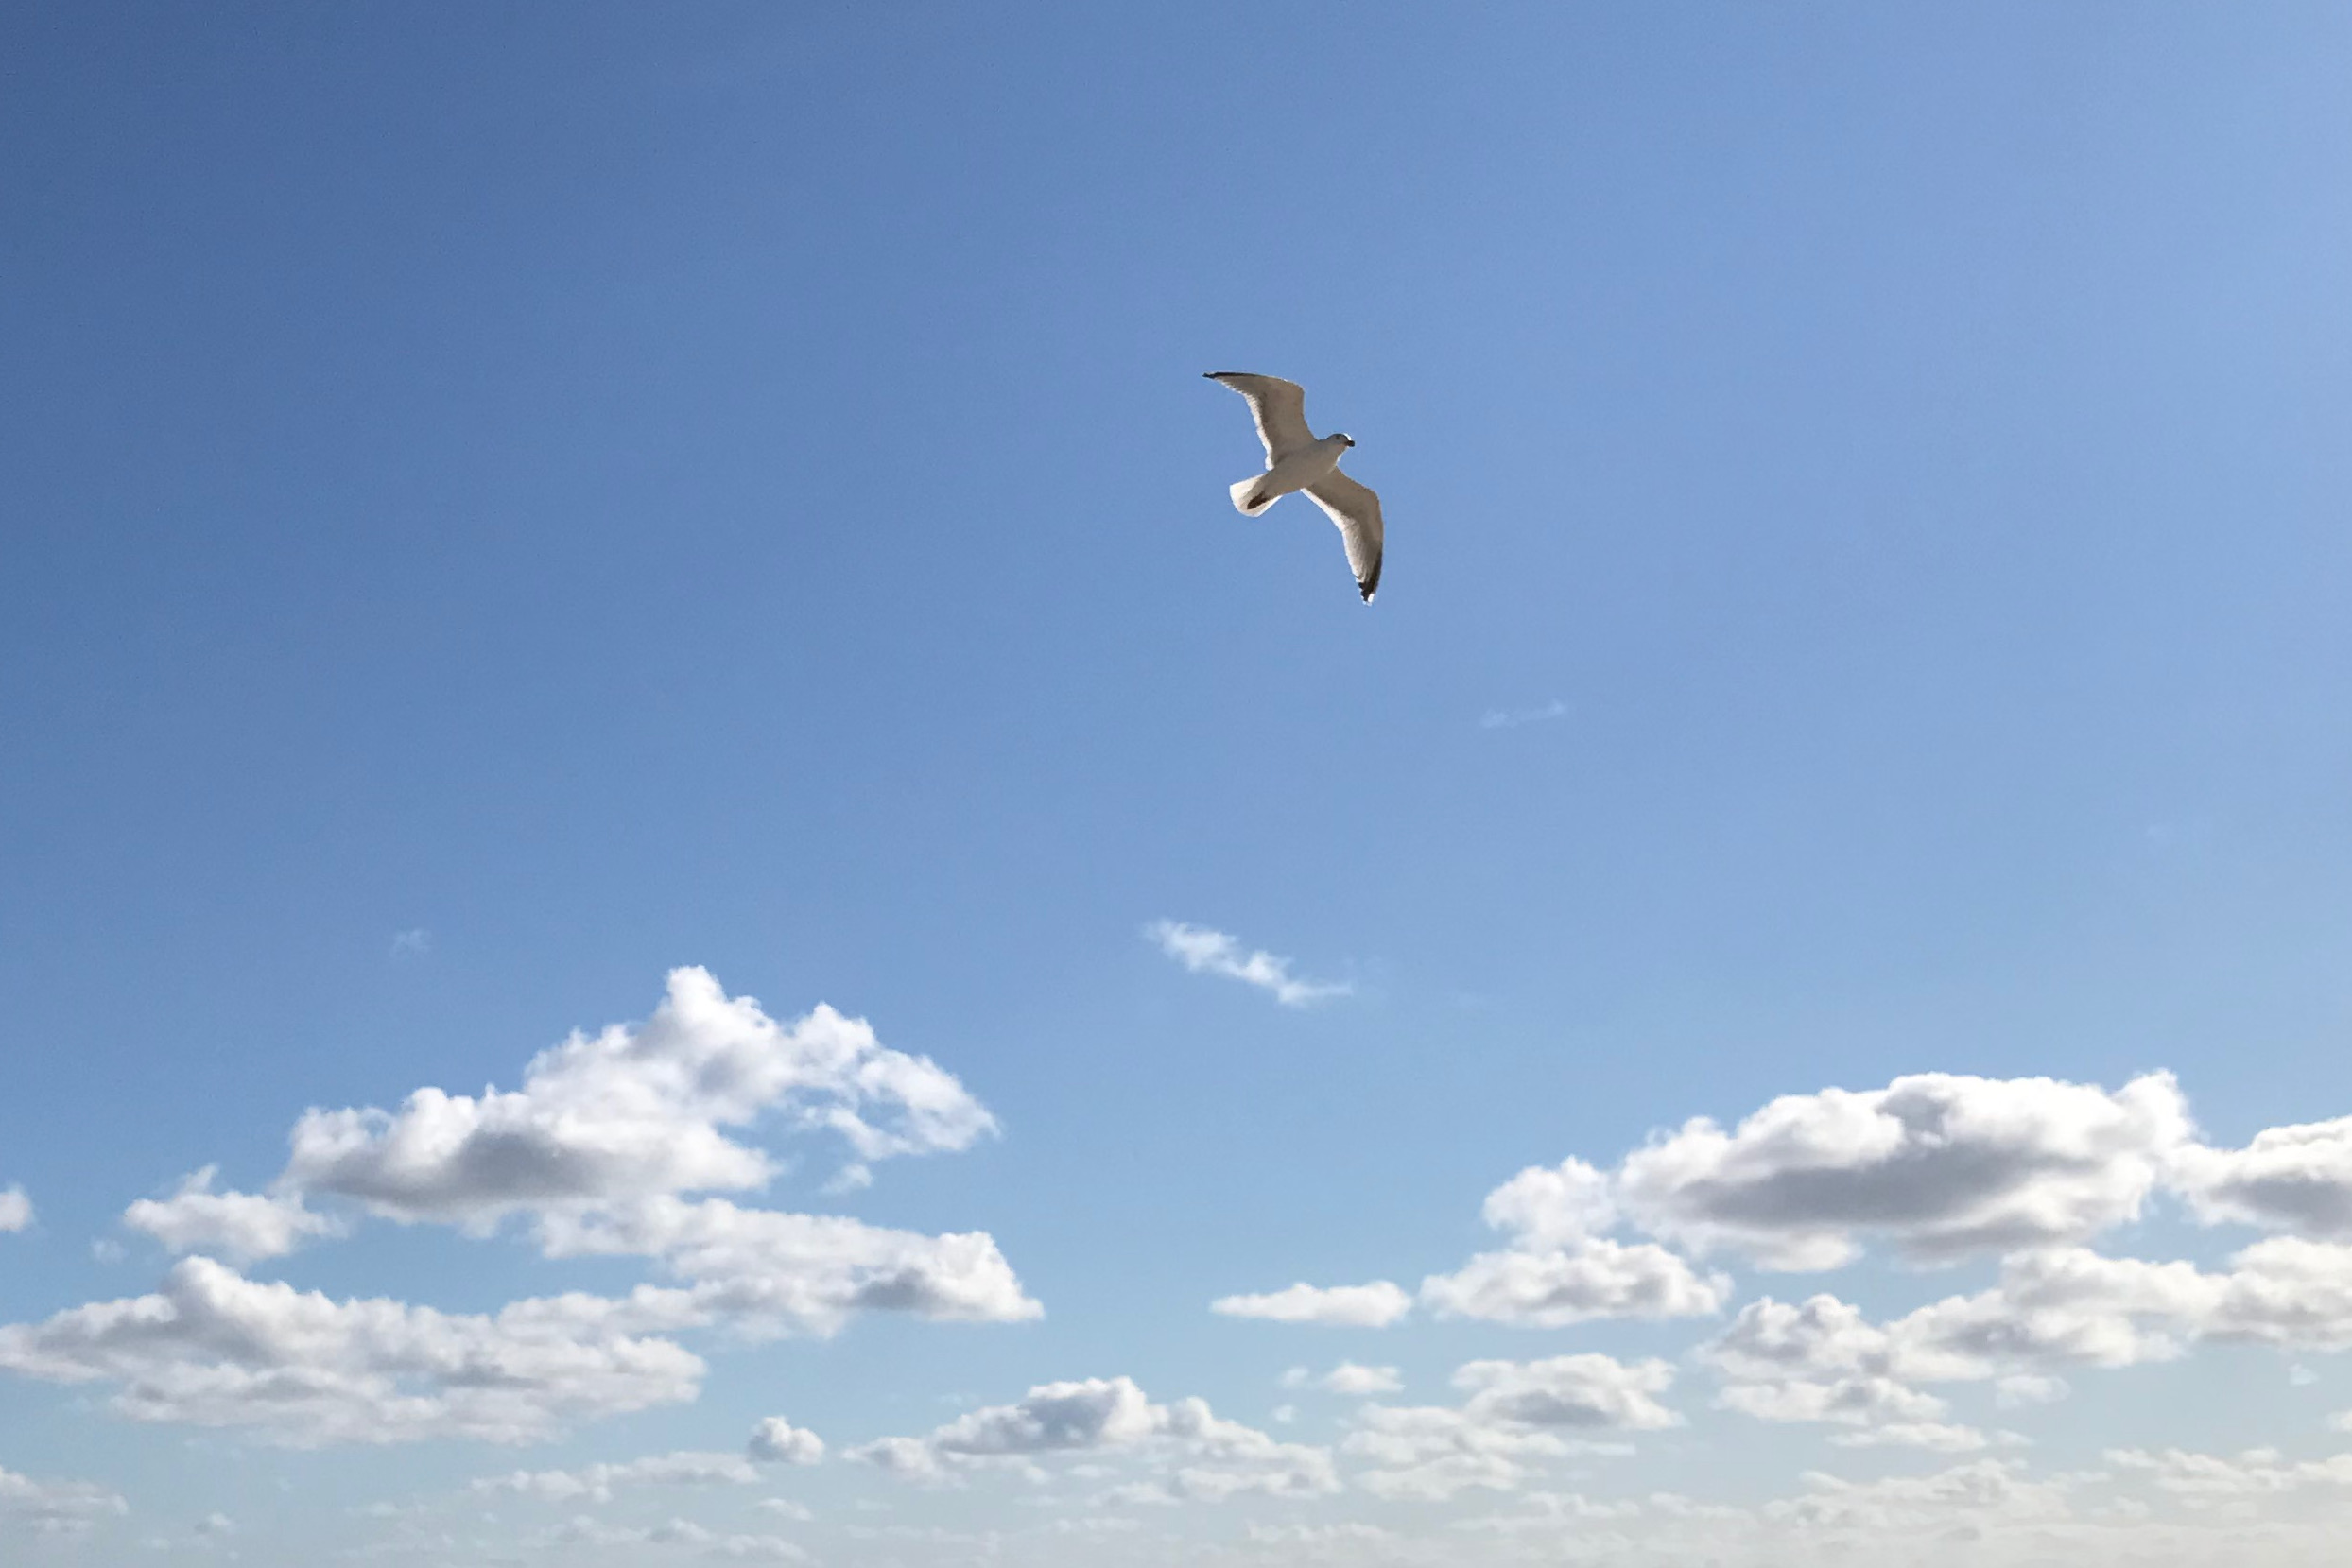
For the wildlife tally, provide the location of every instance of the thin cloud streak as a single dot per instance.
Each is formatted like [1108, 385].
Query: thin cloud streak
[1207, 951]
[1511, 719]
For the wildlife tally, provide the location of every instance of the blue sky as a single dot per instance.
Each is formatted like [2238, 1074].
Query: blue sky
[502, 505]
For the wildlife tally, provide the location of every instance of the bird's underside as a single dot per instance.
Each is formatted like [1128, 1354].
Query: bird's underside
[1295, 461]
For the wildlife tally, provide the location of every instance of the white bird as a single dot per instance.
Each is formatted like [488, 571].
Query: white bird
[1296, 460]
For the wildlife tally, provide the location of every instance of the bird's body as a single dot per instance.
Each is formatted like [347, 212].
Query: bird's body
[1296, 459]
[1292, 472]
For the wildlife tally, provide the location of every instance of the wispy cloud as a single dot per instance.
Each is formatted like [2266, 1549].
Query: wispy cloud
[415, 942]
[1511, 718]
[16, 1210]
[1206, 952]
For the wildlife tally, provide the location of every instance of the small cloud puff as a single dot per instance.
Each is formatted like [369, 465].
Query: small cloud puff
[775, 1441]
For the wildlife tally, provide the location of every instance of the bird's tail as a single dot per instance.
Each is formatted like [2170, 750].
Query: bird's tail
[1246, 497]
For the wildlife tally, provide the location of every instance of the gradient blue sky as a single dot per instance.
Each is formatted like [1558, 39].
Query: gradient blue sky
[501, 503]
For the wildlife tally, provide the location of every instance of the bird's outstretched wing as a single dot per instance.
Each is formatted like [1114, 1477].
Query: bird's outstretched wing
[1280, 408]
[1356, 511]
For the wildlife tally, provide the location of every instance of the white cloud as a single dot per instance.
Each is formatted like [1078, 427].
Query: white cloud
[1097, 1413]
[214, 1349]
[775, 1441]
[597, 1482]
[2296, 1179]
[637, 1111]
[1938, 1165]
[16, 1210]
[591, 1147]
[241, 1227]
[55, 1508]
[898, 1456]
[739, 1548]
[1202, 1456]
[1596, 1279]
[1206, 952]
[1350, 1378]
[1517, 1415]
[1581, 1392]
[1373, 1305]
[415, 942]
[1559, 1269]
[1931, 1436]
[1817, 1361]
[1443, 1476]
[2208, 1480]
[2018, 1389]
[767, 1273]
[1551, 1514]
[1854, 1401]
[1823, 1361]
[1974, 1496]
[1545, 1206]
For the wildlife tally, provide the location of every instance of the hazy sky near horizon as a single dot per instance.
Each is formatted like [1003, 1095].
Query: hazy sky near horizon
[674, 887]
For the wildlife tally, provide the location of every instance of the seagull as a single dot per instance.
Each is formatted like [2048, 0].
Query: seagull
[1296, 460]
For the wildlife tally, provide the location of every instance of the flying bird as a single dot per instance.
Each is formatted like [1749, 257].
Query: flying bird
[1296, 460]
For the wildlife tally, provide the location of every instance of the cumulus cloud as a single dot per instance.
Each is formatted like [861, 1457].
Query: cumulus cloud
[1822, 1360]
[767, 1273]
[1373, 1305]
[2072, 1305]
[1202, 1456]
[2296, 1179]
[637, 1111]
[1559, 1205]
[777, 1441]
[1584, 1391]
[1559, 1270]
[1349, 1377]
[16, 1210]
[597, 1483]
[1206, 952]
[1594, 1278]
[1937, 1165]
[242, 1227]
[1519, 1415]
[1819, 1360]
[214, 1349]
[55, 1508]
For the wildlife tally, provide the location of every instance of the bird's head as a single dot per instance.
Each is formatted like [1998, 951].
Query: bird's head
[1347, 440]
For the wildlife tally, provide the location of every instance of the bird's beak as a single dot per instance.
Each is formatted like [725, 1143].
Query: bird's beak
[1351, 443]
